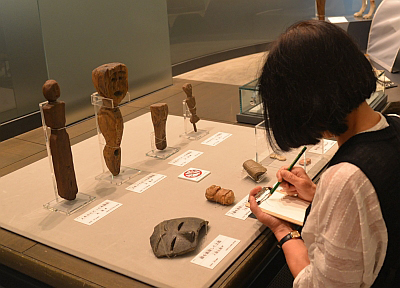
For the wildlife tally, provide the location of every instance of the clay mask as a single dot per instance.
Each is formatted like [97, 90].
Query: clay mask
[176, 236]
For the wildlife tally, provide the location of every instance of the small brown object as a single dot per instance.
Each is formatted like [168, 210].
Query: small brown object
[159, 114]
[60, 147]
[111, 82]
[277, 157]
[254, 169]
[221, 195]
[191, 103]
[308, 161]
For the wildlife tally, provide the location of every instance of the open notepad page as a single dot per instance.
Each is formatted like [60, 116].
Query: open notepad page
[285, 207]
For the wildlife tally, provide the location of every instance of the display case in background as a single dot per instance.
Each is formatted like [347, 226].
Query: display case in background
[251, 109]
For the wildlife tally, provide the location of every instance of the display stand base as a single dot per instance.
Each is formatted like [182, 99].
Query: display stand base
[162, 154]
[69, 206]
[124, 175]
[260, 179]
[194, 135]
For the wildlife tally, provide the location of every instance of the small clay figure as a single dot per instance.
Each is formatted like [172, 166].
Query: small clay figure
[254, 169]
[60, 147]
[321, 9]
[372, 7]
[191, 103]
[176, 236]
[111, 82]
[277, 157]
[159, 114]
[220, 195]
[308, 161]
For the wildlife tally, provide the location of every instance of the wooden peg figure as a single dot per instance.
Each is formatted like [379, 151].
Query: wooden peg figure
[159, 114]
[60, 147]
[111, 82]
[191, 103]
[321, 9]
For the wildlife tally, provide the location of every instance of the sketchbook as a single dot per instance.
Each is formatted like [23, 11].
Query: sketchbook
[285, 207]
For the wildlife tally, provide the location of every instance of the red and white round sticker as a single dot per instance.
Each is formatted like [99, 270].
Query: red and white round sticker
[192, 173]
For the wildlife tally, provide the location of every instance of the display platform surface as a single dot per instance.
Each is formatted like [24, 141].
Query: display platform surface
[120, 241]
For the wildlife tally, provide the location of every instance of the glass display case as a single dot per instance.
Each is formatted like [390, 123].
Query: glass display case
[251, 109]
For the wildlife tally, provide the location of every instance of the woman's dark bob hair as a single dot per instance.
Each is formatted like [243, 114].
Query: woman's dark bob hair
[313, 77]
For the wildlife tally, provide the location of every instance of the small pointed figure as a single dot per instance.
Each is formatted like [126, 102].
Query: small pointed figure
[60, 147]
[111, 82]
[159, 114]
[191, 103]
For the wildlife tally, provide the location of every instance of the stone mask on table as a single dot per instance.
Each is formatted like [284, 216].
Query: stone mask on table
[176, 236]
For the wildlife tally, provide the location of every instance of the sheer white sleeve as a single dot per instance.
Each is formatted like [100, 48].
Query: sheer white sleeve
[345, 233]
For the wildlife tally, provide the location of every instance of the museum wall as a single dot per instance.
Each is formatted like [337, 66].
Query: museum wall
[202, 27]
[66, 40]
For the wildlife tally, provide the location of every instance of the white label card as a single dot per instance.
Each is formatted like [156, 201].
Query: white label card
[194, 174]
[185, 158]
[240, 210]
[339, 19]
[326, 144]
[146, 182]
[215, 251]
[98, 212]
[216, 139]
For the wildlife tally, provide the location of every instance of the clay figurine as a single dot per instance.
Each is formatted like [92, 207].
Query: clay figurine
[191, 103]
[60, 147]
[277, 156]
[372, 7]
[254, 169]
[159, 114]
[308, 161]
[220, 195]
[111, 82]
[176, 236]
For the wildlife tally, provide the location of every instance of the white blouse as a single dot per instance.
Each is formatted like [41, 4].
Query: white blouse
[345, 233]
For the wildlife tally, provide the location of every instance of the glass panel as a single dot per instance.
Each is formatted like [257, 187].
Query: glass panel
[22, 60]
[202, 27]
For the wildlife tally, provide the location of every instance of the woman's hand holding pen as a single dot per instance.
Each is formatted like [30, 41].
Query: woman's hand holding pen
[296, 182]
[278, 226]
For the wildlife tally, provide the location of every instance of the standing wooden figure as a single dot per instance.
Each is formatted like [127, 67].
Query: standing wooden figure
[321, 9]
[111, 82]
[191, 103]
[60, 147]
[159, 114]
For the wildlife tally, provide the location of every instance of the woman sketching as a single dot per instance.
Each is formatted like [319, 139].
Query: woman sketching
[314, 84]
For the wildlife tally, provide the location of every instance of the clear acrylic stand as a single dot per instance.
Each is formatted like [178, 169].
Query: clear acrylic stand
[188, 127]
[160, 154]
[59, 204]
[125, 173]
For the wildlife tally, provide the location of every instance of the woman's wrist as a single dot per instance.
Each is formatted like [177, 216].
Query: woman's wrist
[281, 231]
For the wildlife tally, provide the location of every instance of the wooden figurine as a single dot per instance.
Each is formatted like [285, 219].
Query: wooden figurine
[60, 147]
[220, 195]
[111, 82]
[191, 103]
[321, 9]
[159, 114]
